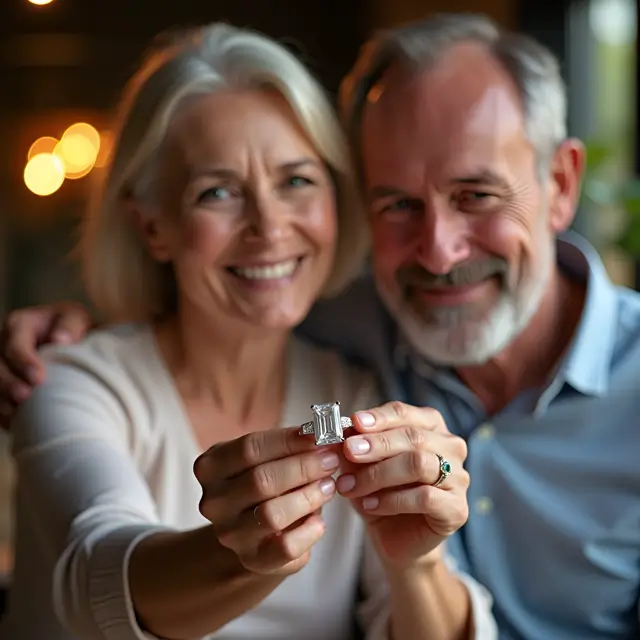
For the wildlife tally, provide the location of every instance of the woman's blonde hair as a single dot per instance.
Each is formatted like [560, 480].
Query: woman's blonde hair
[122, 279]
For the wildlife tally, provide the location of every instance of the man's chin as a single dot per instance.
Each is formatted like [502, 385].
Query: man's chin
[469, 343]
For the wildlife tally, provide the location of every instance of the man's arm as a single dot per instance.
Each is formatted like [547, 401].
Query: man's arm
[434, 602]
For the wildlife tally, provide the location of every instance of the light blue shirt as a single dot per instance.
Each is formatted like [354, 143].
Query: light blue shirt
[554, 529]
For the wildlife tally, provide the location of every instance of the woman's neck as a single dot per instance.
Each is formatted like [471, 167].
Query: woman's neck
[239, 373]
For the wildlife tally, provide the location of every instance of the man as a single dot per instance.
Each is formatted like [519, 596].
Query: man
[483, 308]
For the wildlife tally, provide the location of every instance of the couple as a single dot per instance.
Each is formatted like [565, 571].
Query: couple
[227, 210]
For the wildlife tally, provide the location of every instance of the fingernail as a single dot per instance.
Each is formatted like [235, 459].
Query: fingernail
[330, 461]
[366, 419]
[61, 336]
[370, 503]
[358, 446]
[346, 483]
[31, 373]
[327, 486]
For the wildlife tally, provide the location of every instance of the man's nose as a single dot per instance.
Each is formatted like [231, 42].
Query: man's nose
[444, 241]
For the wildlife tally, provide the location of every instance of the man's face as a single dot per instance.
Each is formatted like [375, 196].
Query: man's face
[463, 239]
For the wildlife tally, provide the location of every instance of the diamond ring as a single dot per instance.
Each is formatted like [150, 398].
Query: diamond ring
[445, 470]
[327, 425]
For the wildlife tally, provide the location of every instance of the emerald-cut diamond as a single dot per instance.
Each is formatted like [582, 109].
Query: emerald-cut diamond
[327, 425]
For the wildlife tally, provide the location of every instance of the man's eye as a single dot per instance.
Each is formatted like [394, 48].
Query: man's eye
[482, 198]
[400, 205]
[403, 205]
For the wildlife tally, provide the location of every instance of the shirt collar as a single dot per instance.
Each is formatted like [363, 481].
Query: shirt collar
[587, 364]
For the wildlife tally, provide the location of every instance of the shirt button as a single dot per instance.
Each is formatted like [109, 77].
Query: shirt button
[484, 506]
[486, 431]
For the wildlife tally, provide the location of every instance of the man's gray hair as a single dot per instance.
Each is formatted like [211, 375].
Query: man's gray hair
[419, 45]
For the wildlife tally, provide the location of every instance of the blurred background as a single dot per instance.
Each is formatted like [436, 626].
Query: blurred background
[63, 63]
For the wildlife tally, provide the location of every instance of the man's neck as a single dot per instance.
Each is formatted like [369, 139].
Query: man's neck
[532, 358]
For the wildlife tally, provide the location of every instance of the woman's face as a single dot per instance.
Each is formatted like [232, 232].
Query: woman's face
[247, 211]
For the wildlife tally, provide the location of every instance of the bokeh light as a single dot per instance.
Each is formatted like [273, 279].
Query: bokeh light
[40, 2]
[79, 148]
[77, 152]
[46, 144]
[44, 174]
[86, 131]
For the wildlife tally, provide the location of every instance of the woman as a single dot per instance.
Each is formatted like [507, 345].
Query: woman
[228, 208]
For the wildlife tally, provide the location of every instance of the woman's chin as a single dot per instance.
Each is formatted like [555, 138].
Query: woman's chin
[277, 319]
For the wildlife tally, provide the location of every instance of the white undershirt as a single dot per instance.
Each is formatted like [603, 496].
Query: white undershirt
[104, 453]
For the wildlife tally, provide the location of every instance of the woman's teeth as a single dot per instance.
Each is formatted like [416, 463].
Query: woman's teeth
[271, 272]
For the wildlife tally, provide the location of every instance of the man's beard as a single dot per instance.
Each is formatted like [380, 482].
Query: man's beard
[465, 335]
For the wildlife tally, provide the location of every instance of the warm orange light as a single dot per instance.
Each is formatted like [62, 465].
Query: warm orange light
[46, 144]
[40, 2]
[77, 153]
[44, 174]
[86, 131]
[78, 148]
[78, 174]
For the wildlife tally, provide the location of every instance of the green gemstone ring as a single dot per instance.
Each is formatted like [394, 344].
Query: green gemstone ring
[445, 470]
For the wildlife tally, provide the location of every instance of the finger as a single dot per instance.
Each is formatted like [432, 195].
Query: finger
[278, 552]
[22, 333]
[413, 467]
[273, 479]
[374, 447]
[229, 459]
[445, 511]
[70, 324]
[275, 516]
[12, 388]
[398, 414]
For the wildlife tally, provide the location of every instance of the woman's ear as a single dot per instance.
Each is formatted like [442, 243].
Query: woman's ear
[151, 230]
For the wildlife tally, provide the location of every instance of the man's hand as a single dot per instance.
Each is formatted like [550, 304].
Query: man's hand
[394, 479]
[22, 332]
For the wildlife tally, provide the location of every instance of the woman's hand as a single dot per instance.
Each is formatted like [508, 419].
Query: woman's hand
[393, 465]
[263, 494]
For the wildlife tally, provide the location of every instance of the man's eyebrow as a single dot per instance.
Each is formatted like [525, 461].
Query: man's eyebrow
[382, 191]
[482, 177]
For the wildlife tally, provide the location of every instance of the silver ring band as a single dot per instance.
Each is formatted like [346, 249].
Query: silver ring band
[327, 425]
[445, 470]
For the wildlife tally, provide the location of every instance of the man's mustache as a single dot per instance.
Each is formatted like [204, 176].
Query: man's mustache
[463, 275]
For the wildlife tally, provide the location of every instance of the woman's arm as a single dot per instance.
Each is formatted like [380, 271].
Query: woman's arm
[118, 572]
[186, 585]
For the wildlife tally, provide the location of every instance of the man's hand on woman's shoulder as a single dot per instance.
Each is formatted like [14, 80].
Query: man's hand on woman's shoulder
[23, 332]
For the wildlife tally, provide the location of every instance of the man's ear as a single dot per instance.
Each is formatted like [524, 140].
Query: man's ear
[150, 228]
[565, 182]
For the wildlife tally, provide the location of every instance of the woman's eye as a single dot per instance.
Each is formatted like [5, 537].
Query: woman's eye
[298, 181]
[215, 193]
